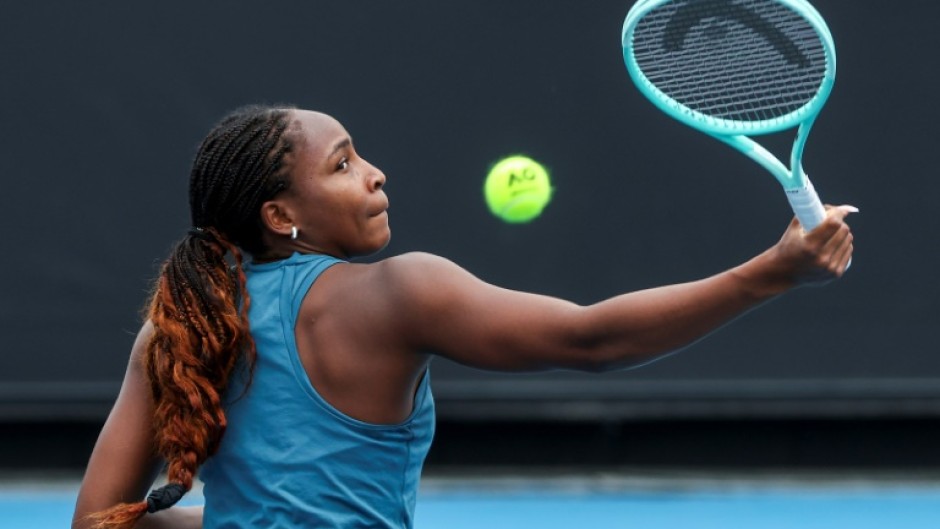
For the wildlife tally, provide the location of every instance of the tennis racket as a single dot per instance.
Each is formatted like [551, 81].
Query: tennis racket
[734, 69]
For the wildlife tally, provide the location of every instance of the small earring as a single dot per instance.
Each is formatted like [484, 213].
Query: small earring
[293, 233]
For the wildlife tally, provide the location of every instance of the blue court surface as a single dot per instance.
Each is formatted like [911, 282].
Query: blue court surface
[599, 503]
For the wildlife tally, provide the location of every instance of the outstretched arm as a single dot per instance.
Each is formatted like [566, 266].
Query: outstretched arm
[124, 463]
[444, 309]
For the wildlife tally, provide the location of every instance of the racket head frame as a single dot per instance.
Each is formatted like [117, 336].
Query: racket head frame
[733, 132]
[719, 126]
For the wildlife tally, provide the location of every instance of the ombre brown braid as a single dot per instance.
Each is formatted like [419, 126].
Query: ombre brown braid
[199, 307]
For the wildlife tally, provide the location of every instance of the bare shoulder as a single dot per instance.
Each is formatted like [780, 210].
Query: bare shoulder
[145, 333]
[408, 266]
[403, 286]
[139, 349]
[402, 279]
[419, 277]
[401, 272]
[136, 374]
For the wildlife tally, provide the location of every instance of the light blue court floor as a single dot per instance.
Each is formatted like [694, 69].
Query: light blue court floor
[600, 502]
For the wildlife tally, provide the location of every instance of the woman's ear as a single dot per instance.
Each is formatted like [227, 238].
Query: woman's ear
[276, 217]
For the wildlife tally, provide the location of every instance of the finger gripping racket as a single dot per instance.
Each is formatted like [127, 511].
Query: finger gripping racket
[734, 69]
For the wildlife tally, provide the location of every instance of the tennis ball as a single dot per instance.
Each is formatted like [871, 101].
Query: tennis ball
[517, 189]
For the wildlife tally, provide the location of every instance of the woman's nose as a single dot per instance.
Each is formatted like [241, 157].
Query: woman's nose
[376, 178]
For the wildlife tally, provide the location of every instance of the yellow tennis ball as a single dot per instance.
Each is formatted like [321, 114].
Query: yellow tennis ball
[517, 189]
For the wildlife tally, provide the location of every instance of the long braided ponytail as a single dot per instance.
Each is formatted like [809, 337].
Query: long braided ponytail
[199, 307]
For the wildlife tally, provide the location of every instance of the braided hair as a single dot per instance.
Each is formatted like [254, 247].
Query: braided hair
[199, 306]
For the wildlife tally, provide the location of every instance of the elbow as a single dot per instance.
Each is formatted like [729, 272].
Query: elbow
[601, 354]
[599, 357]
[600, 347]
[596, 365]
[604, 362]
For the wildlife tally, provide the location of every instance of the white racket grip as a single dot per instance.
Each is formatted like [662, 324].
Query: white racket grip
[806, 205]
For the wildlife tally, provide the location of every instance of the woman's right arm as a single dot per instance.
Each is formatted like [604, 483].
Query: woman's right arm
[438, 307]
[124, 462]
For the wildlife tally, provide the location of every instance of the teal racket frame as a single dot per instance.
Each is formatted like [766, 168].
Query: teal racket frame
[800, 192]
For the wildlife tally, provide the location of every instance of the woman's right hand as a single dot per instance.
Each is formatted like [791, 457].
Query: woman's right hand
[819, 256]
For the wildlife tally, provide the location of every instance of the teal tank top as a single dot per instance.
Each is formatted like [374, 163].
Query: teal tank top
[289, 459]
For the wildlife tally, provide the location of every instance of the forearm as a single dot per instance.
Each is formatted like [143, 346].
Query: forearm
[641, 326]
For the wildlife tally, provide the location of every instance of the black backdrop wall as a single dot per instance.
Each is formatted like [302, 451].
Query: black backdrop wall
[103, 104]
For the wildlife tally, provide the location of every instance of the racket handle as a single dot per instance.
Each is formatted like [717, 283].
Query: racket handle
[806, 205]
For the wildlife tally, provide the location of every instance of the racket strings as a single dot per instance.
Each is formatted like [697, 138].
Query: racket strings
[741, 60]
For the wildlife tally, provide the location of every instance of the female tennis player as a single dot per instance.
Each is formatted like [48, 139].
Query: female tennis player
[297, 382]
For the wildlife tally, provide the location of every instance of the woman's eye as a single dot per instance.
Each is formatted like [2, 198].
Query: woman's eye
[342, 165]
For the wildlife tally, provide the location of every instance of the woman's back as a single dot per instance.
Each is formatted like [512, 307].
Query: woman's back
[288, 457]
